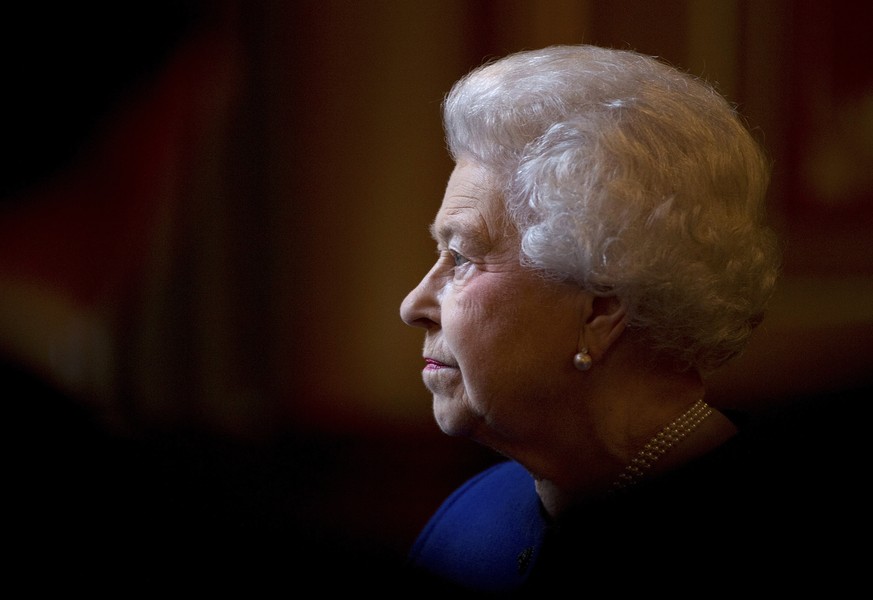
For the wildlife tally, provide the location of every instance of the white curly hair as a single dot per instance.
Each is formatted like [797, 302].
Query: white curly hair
[632, 179]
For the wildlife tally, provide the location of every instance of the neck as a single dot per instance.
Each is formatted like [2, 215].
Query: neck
[622, 414]
[643, 464]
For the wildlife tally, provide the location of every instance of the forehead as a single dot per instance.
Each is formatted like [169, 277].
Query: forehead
[471, 207]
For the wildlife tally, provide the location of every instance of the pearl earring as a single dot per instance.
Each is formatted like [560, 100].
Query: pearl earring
[582, 360]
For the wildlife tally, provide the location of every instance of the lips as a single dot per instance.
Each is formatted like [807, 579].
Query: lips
[432, 364]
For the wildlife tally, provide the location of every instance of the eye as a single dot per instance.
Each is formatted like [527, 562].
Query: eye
[458, 259]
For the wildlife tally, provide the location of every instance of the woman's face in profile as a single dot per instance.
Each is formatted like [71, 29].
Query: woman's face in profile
[500, 339]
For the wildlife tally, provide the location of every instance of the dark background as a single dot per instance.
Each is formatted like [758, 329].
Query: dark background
[267, 320]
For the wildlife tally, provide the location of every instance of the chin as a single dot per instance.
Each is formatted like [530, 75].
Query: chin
[454, 418]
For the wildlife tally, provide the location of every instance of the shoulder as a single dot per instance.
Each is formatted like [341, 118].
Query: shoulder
[487, 533]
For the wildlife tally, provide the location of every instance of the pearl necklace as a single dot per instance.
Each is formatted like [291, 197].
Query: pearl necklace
[665, 439]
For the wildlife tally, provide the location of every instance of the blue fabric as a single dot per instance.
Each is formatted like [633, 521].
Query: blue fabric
[487, 535]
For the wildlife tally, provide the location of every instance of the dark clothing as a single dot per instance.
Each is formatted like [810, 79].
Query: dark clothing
[775, 508]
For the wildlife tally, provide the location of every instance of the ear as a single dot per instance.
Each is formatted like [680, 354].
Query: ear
[605, 322]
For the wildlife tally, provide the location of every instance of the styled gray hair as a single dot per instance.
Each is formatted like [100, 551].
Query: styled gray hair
[631, 179]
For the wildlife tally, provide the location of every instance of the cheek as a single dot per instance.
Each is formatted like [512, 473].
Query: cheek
[486, 331]
[524, 323]
[474, 310]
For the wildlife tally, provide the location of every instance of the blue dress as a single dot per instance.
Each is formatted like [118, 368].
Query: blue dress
[487, 535]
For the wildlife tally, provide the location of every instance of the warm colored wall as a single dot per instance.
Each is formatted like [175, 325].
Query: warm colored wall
[308, 225]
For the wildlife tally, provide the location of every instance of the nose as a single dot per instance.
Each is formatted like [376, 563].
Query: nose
[421, 306]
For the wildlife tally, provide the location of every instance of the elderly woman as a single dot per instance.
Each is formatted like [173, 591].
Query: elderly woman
[601, 249]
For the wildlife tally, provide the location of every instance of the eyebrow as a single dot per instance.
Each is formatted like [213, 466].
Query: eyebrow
[444, 232]
[457, 228]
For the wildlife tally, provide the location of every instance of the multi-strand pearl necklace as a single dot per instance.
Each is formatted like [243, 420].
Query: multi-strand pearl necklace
[665, 439]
